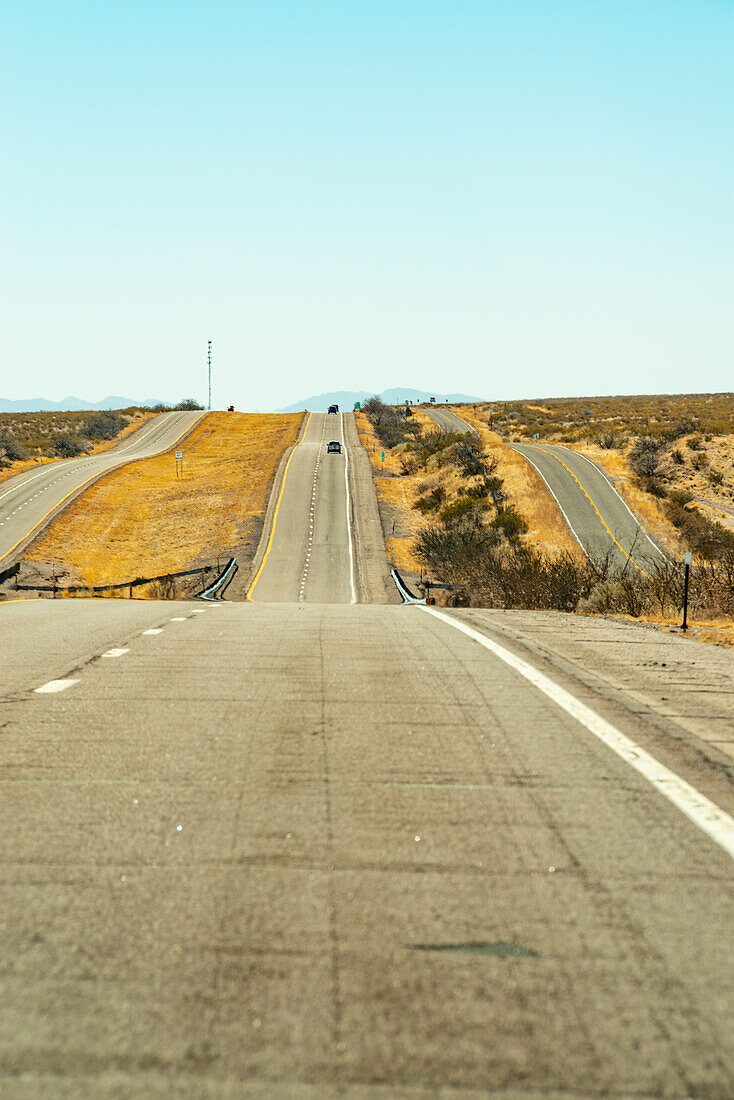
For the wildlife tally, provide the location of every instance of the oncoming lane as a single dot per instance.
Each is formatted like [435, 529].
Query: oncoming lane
[597, 515]
[309, 555]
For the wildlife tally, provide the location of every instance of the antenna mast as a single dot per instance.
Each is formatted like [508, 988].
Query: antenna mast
[209, 362]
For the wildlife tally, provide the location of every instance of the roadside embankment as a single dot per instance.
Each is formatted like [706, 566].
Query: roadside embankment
[402, 476]
[147, 519]
[526, 491]
[395, 495]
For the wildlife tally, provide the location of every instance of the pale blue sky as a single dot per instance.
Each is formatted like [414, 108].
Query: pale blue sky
[505, 198]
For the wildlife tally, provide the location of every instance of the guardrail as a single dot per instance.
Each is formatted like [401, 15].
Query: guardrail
[405, 594]
[220, 584]
[169, 577]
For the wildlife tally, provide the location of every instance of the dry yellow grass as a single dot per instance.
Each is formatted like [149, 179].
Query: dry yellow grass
[526, 491]
[24, 464]
[713, 631]
[142, 521]
[426, 422]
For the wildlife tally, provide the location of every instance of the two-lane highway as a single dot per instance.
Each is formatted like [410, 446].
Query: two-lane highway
[447, 420]
[333, 849]
[310, 551]
[598, 516]
[29, 500]
[599, 519]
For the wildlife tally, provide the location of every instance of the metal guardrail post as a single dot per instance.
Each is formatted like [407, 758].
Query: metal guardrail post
[687, 567]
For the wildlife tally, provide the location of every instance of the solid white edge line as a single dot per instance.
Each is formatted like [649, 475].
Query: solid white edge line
[704, 813]
[616, 491]
[54, 685]
[349, 513]
[23, 484]
[563, 512]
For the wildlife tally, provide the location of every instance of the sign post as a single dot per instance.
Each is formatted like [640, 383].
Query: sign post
[179, 464]
[687, 566]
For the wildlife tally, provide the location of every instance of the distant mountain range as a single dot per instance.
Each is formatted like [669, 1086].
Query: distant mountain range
[346, 399]
[73, 404]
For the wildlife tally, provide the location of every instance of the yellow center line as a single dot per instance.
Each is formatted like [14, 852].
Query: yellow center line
[593, 505]
[275, 514]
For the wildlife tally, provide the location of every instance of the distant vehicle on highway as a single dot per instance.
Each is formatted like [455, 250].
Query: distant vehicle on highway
[334, 447]
[333, 408]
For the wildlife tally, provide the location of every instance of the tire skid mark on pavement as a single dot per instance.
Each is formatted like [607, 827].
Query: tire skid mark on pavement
[705, 814]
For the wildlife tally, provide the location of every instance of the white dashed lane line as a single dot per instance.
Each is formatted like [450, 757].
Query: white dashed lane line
[55, 685]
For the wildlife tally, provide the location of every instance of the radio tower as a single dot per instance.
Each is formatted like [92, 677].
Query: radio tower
[209, 361]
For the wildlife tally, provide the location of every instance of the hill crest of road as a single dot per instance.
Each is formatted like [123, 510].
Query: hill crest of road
[322, 541]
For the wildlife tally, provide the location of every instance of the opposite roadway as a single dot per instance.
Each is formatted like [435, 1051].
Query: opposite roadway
[596, 514]
[303, 846]
[29, 500]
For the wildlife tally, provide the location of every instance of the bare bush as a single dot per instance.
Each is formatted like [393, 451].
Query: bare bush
[393, 425]
[67, 446]
[468, 455]
[610, 440]
[646, 454]
[10, 449]
[105, 425]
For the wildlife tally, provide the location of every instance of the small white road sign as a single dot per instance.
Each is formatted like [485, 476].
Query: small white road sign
[179, 456]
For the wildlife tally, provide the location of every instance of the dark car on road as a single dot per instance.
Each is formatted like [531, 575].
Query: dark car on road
[333, 408]
[334, 447]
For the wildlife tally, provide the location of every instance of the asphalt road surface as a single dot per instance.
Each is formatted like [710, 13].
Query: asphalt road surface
[30, 500]
[318, 848]
[596, 513]
[447, 420]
